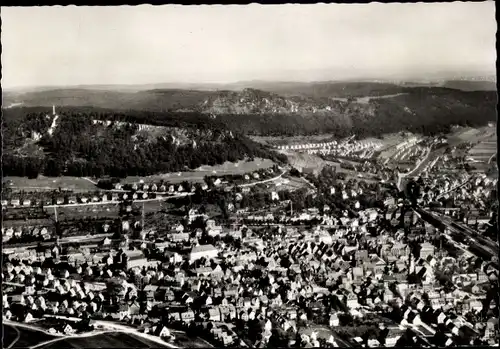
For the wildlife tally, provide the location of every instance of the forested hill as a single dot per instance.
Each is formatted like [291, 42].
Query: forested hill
[418, 109]
[294, 109]
[96, 142]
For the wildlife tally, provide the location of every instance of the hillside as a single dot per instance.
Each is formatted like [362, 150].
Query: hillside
[364, 108]
[465, 85]
[85, 142]
[417, 109]
[331, 89]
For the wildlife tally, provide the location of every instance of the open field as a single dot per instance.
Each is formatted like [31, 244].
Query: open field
[50, 183]
[484, 150]
[111, 210]
[108, 340]
[322, 331]
[290, 183]
[301, 160]
[367, 99]
[95, 211]
[182, 340]
[10, 335]
[325, 332]
[25, 338]
[239, 167]
[467, 134]
[78, 184]
[228, 168]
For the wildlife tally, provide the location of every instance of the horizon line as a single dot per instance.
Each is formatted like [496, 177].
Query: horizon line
[298, 81]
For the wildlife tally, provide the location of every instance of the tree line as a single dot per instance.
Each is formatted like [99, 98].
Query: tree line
[429, 111]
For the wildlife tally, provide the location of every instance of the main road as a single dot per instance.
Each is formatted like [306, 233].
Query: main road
[431, 155]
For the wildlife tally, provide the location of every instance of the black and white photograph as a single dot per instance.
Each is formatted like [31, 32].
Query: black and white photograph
[250, 176]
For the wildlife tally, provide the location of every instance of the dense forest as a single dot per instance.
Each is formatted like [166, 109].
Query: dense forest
[78, 147]
[428, 111]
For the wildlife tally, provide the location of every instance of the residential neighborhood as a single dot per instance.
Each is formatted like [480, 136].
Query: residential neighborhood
[314, 276]
[288, 176]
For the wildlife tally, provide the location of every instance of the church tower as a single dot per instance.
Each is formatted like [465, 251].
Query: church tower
[53, 110]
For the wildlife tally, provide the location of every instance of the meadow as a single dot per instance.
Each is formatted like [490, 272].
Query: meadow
[108, 340]
[21, 337]
[197, 175]
[43, 183]
[78, 184]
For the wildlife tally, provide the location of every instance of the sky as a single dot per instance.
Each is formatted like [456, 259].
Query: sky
[63, 46]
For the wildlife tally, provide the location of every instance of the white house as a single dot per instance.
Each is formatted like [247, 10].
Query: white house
[203, 251]
[334, 320]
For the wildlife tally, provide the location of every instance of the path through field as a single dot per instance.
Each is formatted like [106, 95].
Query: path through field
[113, 327]
[83, 335]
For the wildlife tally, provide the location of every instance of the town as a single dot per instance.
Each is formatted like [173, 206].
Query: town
[278, 256]
[289, 176]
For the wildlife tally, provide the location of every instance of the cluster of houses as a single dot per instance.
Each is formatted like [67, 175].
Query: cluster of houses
[171, 188]
[362, 149]
[219, 283]
[135, 191]
[466, 198]
[357, 149]
[79, 199]
[272, 276]
[155, 188]
[409, 154]
[408, 143]
[16, 232]
[355, 145]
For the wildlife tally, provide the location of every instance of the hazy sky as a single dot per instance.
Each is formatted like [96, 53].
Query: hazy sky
[150, 44]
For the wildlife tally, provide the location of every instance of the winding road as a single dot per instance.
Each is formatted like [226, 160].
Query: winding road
[109, 327]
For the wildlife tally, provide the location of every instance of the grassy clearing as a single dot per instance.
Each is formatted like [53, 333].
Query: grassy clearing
[78, 184]
[28, 338]
[108, 340]
[473, 135]
[293, 184]
[301, 160]
[9, 335]
[95, 211]
[367, 99]
[182, 340]
[50, 183]
[485, 149]
[321, 331]
[228, 168]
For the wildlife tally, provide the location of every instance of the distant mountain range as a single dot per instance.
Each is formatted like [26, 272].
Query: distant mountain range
[469, 80]
[168, 96]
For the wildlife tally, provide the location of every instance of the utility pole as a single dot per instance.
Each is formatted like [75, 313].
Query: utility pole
[56, 224]
[142, 217]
